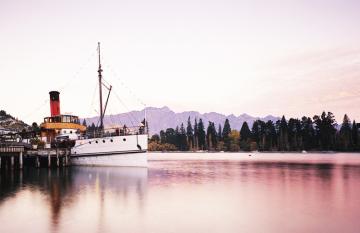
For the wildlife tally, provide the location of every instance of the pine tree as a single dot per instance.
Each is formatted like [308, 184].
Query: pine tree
[262, 135]
[84, 123]
[208, 136]
[225, 134]
[182, 137]
[196, 135]
[245, 132]
[345, 134]
[294, 134]
[211, 136]
[177, 138]
[355, 135]
[283, 135]
[201, 135]
[255, 132]
[219, 133]
[270, 136]
[307, 133]
[325, 130]
[190, 134]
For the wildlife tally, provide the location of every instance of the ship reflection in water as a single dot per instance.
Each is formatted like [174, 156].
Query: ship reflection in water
[312, 193]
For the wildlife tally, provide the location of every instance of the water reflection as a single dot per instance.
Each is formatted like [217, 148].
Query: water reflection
[62, 189]
[257, 195]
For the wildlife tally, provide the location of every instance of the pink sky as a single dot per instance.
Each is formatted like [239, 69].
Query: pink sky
[255, 57]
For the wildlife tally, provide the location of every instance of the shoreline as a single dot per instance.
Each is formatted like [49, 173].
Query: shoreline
[254, 152]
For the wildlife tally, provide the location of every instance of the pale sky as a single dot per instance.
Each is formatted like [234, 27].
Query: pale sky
[256, 57]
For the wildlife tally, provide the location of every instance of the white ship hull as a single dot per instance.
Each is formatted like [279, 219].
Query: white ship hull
[125, 151]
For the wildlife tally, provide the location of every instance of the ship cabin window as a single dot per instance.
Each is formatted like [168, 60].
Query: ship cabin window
[64, 131]
[57, 119]
[65, 119]
[124, 139]
[70, 131]
[70, 119]
[62, 119]
[103, 141]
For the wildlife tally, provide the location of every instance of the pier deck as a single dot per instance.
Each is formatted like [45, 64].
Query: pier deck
[16, 156]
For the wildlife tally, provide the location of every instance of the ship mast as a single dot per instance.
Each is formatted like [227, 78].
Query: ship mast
[100, 91]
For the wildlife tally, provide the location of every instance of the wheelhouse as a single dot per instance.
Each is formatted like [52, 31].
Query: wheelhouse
[62, 119]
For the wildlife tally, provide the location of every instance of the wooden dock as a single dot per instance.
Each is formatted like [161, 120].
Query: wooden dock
[16, 156]
[8, 154]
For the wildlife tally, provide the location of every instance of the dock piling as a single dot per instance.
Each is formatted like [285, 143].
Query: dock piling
[49, 159]
[37, 162]
[57, 158]
[12, 162]
[66, 158]
[21, 160]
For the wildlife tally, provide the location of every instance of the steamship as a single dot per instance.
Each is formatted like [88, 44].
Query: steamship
[106, 146]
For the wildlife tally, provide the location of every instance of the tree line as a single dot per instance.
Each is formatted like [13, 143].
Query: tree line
[319, 133]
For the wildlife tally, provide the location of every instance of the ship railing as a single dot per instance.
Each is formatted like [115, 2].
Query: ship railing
[116, 131]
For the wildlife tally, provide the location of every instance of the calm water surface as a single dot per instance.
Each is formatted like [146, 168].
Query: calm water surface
[189, 193]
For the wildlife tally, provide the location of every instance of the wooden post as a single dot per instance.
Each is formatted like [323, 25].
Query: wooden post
[49, 159]
[57, 158]
[37, 161]
[0, 161]
[66, 158]
[21, 160]
[12, 162]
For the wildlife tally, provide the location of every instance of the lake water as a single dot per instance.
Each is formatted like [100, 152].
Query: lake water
[189, 192]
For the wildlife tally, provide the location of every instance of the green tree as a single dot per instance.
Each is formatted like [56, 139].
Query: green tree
[162, 136]
[245, 132]
[325, 130]
[308, 133]
[345, 134]
[283, 135]
[196, 135]
[225, 134]
[170, 136]
[294, 134]
[35, 127]
[255, 132]
[219, 133]
[270, 136]
[355, 135]
[183, 146]
[190, 134]
[155, 138]
[84, 123]
[201, 135]
[211, 136]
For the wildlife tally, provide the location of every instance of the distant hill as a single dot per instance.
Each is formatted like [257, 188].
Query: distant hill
[10, 123]
[163, 118]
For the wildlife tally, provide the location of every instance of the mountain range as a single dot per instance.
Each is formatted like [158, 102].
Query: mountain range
[162, 118]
